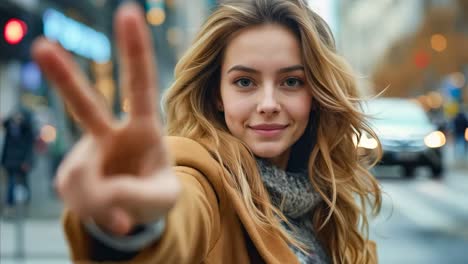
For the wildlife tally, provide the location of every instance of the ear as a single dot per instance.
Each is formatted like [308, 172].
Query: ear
[220, 106]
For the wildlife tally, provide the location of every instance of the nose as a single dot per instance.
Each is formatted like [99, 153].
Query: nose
[268, 102]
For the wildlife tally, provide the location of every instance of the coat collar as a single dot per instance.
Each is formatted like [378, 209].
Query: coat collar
[187, 152]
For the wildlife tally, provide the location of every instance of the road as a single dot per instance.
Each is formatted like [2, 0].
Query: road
[423, 221]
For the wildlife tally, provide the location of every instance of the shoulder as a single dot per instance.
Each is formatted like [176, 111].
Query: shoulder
[188, 153]
[185, 142]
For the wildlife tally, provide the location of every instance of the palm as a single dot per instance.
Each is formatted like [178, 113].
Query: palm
[118, 171]
[128, 149]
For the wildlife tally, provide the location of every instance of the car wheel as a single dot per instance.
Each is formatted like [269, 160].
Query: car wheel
[437, 172]
[408, 172]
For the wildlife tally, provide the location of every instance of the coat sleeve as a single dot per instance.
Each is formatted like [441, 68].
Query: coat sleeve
[192, 226]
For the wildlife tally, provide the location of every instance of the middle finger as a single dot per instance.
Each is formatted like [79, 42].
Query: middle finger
[138, 69]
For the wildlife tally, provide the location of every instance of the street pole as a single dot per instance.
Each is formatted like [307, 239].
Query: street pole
[20, 195]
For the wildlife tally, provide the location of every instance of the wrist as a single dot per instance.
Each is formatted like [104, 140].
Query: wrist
[139, 238]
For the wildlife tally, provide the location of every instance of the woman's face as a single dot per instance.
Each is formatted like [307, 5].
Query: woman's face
[264, 96]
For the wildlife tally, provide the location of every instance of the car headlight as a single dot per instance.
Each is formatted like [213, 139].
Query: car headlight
[367, 142]
[466, 134]
[435, 139]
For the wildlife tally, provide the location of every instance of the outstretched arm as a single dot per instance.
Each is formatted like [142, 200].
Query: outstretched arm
[120, 174]
[192, 228]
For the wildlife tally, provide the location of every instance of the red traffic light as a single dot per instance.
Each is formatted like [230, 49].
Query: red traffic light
[14, 31]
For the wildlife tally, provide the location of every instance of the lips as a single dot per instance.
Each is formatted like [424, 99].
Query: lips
[268, 126]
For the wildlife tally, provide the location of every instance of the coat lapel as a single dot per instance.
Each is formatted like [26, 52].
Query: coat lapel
[271, 247]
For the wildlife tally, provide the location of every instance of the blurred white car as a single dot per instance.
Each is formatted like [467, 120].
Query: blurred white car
[408, 137]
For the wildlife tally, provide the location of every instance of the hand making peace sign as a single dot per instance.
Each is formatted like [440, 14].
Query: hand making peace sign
[119, 173]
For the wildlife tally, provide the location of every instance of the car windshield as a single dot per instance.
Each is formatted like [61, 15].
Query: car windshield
[397, 113]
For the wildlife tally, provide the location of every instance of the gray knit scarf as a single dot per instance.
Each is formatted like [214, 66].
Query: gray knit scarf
[291, 192]
[294, 195]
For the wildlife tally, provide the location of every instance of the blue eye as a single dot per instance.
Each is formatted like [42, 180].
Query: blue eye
[243, 82]
[293, 82]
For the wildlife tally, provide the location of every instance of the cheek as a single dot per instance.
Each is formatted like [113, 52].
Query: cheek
[300, 108]
[236, 109]
[236, 112]
[234, 104]
[230, 100]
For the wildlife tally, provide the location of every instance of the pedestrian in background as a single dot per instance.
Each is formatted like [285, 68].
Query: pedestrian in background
[259, 165]
[17, 154]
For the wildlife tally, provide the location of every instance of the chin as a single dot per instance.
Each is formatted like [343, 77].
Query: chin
[266, 152]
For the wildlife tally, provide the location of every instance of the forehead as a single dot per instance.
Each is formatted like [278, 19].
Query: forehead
[264, 45]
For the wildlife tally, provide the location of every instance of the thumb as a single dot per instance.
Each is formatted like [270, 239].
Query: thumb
[120, 222]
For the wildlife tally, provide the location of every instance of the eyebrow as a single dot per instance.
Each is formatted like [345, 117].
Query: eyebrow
[251, 70]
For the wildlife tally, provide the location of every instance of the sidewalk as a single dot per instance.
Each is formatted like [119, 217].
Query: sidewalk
[43, 242]
[450, 160]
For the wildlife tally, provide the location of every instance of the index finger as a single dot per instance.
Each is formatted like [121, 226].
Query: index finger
[138, 69]
[73, 86]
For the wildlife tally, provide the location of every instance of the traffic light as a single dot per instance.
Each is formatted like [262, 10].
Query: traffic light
[14, 31]
[18, 29]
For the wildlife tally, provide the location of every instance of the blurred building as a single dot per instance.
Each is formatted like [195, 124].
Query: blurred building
[408, 48]
[368, 27]
[426, 58]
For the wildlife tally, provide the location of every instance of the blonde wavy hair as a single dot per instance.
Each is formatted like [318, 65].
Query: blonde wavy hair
[336, 169]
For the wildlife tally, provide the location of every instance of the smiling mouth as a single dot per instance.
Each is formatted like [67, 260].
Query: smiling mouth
[268, 127]
[268, 130]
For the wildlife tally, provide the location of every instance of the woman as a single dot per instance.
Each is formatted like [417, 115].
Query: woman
[260, 166]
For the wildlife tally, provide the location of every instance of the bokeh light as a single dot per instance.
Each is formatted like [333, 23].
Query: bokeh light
[48, 133]
[174, 35]
[438, 42]
[434, 100]
[156, 16]
[14, 31]
[457, 79]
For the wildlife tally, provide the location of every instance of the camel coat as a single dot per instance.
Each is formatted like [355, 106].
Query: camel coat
[209, 223]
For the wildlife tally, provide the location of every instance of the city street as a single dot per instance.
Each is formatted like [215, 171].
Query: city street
[422, 220]
[277, 79]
